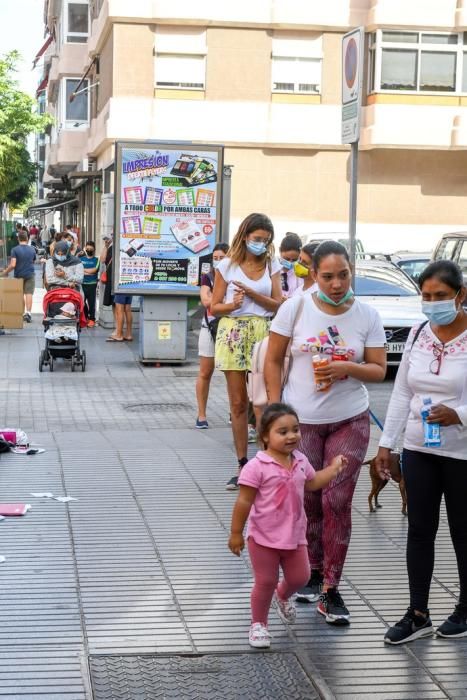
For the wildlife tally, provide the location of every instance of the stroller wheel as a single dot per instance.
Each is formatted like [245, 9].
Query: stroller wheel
[73, 364]
[51, 363]
[41, 361]
[83, 361]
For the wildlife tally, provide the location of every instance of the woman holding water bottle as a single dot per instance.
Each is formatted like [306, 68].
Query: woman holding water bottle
[337, 344]
[429, 400]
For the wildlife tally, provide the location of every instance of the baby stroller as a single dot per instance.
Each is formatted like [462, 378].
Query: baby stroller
[64, 345]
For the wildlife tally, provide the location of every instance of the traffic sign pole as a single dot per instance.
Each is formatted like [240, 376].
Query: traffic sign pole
[353, 207]
[352, 74]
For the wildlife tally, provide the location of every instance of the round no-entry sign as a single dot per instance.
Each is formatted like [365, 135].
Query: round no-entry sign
[351, 63]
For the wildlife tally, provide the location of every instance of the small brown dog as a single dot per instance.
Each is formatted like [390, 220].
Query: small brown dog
[378, 484]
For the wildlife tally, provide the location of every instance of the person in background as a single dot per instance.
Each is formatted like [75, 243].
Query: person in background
[434, 369]
[246, 294]
[72, 240]
[121, 303]
[33, 233]
[337, 346]
[206, 347]
[303, 268]
[91, 267]
[123, 319]
[22, 262]
[289, 252]
[63, 269]
[58, 236]
[105, 260]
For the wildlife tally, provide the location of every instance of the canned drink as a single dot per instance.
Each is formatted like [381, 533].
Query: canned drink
[340, 355]
[321, 361]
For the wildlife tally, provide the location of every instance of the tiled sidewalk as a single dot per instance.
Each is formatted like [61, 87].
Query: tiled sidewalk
[139, 564]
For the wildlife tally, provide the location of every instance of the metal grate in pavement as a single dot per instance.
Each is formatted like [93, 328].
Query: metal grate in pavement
[269, 676]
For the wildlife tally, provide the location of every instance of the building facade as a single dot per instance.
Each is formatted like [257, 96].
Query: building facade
[263, 77]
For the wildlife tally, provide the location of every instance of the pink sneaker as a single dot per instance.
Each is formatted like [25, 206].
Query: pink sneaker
[259, 636]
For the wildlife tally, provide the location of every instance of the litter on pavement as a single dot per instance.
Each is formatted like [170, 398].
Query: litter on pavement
[60, 499]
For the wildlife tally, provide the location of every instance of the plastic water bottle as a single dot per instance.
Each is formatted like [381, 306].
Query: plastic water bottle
[431, 431]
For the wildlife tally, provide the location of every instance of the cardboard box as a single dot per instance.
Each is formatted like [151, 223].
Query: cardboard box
[11, 302]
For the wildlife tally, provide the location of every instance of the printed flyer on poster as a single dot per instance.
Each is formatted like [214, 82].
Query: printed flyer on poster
[168, 211]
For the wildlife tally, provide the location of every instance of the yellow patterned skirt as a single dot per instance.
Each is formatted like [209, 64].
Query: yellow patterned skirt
[235, 339]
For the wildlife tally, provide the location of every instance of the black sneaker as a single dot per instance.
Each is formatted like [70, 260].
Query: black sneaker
[411, 627]
[232, 484]
[27, 317]
[311, 592]
[455, 625]
[332, 606]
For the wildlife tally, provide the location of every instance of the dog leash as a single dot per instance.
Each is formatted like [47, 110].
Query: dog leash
[376, 420]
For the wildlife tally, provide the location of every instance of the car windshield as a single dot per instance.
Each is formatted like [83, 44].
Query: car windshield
[414, 268]
[383, 281]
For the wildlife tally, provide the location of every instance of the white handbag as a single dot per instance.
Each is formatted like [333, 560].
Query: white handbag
[256, 386]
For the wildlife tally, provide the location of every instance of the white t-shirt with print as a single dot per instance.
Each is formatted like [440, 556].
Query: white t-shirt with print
[311, 290]
[232, 272]
[356, 329]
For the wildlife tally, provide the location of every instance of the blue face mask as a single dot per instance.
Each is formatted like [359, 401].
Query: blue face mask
[324, 297]
[60, 258]
[286, 264]
[441, 313]
[256, 248]
[68, 243]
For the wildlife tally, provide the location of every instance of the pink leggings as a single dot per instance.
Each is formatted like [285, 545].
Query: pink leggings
[266, 562]
[328, 511]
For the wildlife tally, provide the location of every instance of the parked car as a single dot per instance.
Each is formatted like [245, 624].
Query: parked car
[342, 237]
[395, 296]
[413, 264]
[453, 246]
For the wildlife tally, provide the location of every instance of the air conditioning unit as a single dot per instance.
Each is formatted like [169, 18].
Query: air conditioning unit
[107, 214]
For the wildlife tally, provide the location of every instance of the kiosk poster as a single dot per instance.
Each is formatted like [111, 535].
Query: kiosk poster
[167, 216]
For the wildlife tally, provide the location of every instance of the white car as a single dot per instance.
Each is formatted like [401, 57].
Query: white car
[396, 298]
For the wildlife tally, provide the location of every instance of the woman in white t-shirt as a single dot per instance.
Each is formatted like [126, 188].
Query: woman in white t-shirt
[332, 325]
[434, 370]
[247, 292]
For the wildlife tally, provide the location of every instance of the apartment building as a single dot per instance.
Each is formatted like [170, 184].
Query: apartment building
[263, 77]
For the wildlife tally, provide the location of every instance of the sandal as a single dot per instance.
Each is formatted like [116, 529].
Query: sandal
[111, 339]
[127, 339]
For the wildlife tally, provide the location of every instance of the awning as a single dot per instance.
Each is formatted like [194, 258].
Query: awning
[83, 78]
[43, 49]
[82, 174]
[50, 206]
[42, 85]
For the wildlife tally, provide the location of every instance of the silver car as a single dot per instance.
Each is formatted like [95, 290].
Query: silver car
[396, 298]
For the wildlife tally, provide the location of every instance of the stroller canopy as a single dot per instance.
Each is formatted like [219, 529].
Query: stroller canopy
[62, 295]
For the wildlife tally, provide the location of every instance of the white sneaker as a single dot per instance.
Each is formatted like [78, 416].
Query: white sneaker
[286, 610]
[252, 434]
[259, 636]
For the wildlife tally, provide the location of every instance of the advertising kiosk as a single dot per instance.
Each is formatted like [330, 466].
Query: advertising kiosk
[168, 205]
